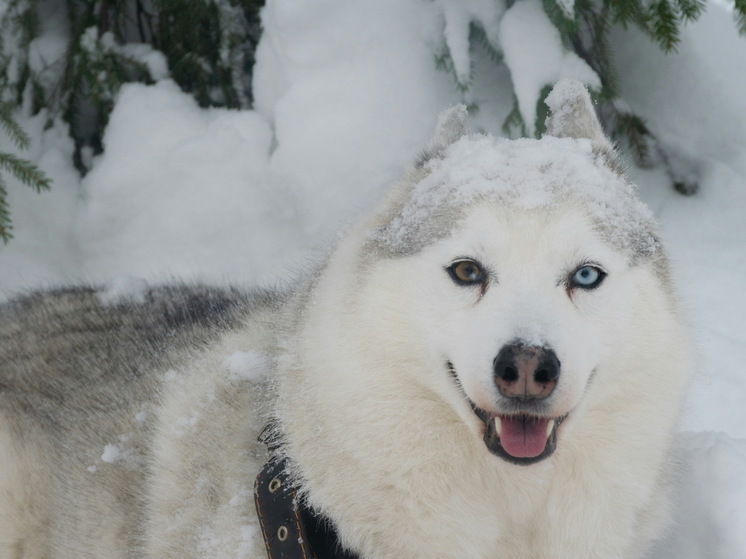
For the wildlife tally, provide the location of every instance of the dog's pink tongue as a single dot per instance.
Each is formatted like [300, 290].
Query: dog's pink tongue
[523, 437]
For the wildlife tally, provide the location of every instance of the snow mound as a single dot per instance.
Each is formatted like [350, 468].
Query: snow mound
[709, 522]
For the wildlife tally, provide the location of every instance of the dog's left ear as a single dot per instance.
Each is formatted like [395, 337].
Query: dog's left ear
[451, 126]
[572, 116]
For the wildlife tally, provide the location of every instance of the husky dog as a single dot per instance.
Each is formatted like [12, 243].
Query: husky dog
[488, 365]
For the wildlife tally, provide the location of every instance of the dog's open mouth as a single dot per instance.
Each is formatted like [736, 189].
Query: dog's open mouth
[521, 438]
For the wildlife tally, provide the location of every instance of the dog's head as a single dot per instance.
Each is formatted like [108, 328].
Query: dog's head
[522, 266]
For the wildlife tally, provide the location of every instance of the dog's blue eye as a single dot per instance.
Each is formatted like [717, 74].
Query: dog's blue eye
[587, 277]
[467, 272]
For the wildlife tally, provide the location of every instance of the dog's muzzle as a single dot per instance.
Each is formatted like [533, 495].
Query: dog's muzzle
[525, 376]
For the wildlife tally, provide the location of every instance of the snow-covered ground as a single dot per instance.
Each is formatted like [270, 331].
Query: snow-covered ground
[346, 96]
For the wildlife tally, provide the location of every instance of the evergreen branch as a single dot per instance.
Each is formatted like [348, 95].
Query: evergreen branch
[690, 10]
[627, 11]
[514, 120]
[638, 137]
[25, 171]
[444, 62]
[542, 111]
[739, 13]
[598, 54]
[477, 35]
[567, 26]
[5, 226]
[11, 128]
[665, 25]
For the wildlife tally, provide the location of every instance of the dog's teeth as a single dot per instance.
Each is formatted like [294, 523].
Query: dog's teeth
[550, 426]
[498, 425]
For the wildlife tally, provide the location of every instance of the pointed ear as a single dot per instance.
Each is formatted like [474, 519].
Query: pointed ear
[451, 126]
[572, 116]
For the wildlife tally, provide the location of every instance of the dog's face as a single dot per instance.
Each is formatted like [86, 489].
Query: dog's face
[519, 310]
[521, 263]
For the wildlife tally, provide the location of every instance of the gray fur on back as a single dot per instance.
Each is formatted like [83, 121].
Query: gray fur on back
[79, 387]
[56, 334]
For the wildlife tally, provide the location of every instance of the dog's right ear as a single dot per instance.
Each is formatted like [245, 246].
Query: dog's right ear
[572, 116]
[451, 126]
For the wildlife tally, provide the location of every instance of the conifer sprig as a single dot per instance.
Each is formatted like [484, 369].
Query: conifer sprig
[11, 128]
[5, 225]
[23, 170]
[740, 15]
[26, 172]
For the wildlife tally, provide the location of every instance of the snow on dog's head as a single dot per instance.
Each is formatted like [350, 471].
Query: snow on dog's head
[573, 161]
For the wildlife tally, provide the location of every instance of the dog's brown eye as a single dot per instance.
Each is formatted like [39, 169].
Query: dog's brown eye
[467, 272]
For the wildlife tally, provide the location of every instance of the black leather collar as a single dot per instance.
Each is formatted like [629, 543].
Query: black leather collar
[291, 529]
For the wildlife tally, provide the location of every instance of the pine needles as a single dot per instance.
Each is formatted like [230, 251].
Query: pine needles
[24, 171]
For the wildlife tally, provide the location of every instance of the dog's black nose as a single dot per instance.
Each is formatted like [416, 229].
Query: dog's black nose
[526, 372]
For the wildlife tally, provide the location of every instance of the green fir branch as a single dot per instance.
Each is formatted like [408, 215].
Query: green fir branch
[690, 10]
[568, 27]
[11, 128]
[444, 62]
[542, 111]
[478, 37]
[626, 11]
[25, 171]
[5, 224]
[513, 125]
[739, 13]
[591, 43]
[632, 129]
[665, 25]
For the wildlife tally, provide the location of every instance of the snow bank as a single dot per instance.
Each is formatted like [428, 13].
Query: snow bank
[709, 508]
[183, 191]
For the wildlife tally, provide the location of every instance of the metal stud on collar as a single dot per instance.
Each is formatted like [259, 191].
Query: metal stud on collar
[274, 485]
[282, 533]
